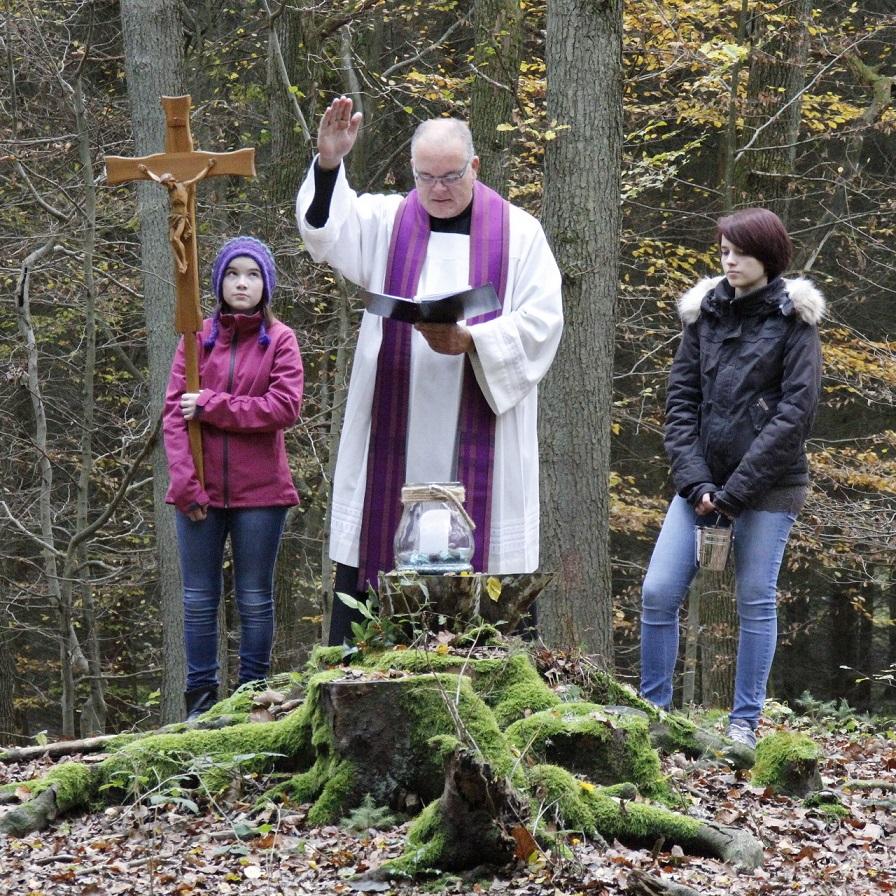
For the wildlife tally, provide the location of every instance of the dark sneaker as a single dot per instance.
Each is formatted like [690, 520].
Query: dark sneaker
[200, 700]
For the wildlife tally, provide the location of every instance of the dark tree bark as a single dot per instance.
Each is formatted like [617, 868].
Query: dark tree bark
[8, 731]
[93, 710]
[482, 815]
[154, 67]
[582, 220]
[718, 636]
[291, 71]
[843, 632]
[773, 110]
[880, 98]
[496, 56]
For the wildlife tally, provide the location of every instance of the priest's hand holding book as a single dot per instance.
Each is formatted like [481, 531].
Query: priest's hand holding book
[438, 318]
[446, 339]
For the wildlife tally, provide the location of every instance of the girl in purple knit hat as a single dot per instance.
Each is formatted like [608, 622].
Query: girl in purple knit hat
[251, 390]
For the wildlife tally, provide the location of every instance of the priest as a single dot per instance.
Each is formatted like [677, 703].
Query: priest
[433, 402]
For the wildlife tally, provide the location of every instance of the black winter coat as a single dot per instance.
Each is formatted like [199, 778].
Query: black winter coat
[743, 390]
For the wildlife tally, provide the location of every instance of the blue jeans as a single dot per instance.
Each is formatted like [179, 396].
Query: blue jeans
[254, 540]
[759, 541]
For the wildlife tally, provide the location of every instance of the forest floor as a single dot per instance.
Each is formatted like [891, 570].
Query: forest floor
[171, 846]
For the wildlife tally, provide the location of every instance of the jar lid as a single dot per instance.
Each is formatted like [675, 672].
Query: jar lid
[432, 491]
[453, 492]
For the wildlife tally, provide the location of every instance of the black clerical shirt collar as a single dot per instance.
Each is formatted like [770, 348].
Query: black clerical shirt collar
[458, 224]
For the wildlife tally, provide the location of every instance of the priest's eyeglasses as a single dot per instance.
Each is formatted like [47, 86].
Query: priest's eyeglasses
[447, 180]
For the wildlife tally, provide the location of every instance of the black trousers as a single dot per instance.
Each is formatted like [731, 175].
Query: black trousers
[342, 616]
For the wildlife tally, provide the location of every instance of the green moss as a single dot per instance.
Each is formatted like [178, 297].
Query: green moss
[443, 745]
[325, 658]
[157, 759]
[211, 755]
[623, 791]
[425, 843]
[237, 707]
[418, 662]
[335, 798]
[73, 783]
[579, 805]
[479, 636]
[827, 803]
[605, 746]
[682, 733]
[512, 687]
[786, 761]
[331, 782]
[607, 690]
[431, 704]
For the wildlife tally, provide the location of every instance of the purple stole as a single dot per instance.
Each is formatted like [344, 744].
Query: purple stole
[386, 454]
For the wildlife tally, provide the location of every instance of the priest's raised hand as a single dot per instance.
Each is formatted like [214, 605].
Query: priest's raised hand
[337, 132]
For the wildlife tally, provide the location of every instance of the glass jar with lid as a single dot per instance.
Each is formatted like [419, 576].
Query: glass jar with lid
[435, 533]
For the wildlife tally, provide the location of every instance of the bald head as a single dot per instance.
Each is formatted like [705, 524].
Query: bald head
[439, 131]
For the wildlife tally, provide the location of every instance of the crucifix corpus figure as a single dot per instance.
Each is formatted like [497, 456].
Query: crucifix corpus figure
[182, 199]
[179, 169]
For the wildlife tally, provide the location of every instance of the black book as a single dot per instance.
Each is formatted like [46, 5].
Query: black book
[444, 308]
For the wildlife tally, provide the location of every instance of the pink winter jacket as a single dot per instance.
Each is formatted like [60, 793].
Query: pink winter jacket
[249, 395]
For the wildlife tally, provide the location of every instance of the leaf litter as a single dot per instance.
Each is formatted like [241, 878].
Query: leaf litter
[167, 850]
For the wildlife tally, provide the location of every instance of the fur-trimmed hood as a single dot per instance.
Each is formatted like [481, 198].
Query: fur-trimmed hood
[806, 299]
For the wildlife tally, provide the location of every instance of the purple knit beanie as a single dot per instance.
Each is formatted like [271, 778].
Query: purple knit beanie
[261, 255]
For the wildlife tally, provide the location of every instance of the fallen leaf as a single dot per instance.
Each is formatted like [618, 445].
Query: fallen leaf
[525, 842]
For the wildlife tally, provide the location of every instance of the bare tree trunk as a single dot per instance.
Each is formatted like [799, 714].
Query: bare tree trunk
[59, 600]
[691, 646]
[336, 404]
[880, 88]
[889, 593]
[729, 140]
[718, 636]
[863, 687]
[289, 75]
[497, 26]
[773, 109]
[153, 45]
[8, 728]
[93, 715]
[289, 634]
[582, 220]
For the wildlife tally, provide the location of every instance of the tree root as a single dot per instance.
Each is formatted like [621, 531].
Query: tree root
[641, 883]
[60, 748]
[34, 815]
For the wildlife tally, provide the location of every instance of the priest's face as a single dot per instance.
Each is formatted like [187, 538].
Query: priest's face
[444, 173]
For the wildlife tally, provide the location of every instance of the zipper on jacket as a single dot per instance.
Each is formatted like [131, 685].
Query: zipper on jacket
[226, 446]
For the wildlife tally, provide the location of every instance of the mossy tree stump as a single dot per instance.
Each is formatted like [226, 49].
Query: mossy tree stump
[476, 737]
[788, 763]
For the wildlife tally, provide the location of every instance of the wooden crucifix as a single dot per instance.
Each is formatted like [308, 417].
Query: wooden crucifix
[178, 170]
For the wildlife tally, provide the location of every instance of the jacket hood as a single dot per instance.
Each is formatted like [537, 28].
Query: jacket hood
[807, 302]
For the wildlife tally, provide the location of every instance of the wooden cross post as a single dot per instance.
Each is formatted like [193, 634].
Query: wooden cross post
[179, 169]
